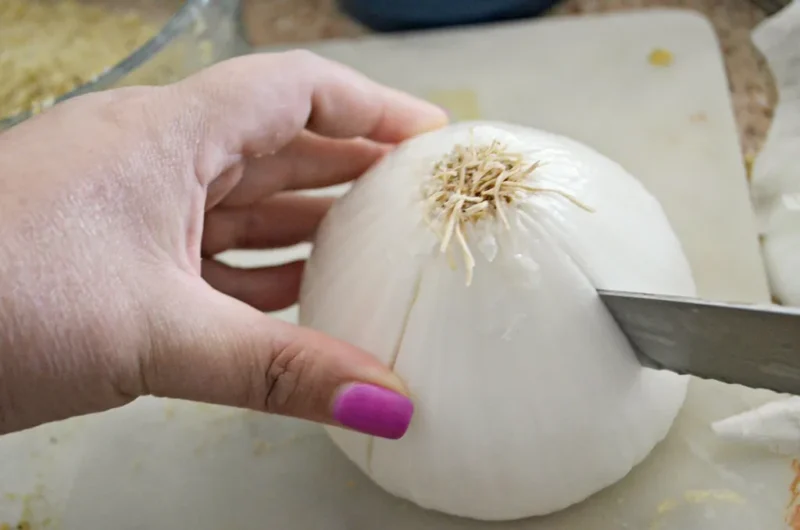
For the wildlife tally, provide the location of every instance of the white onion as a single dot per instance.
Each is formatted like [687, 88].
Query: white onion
[528, 397]
[774, 426]
[781, 249]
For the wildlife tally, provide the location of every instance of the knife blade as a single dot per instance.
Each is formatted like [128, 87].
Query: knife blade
[755, 345]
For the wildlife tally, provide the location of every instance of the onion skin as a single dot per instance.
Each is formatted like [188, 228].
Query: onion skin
[528, 397]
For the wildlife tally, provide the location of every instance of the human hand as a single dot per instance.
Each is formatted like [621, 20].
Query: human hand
[112, 206]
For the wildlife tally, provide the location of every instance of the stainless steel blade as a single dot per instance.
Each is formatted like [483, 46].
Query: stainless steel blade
[753, 345]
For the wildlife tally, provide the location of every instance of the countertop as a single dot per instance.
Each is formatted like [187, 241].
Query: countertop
[269, 22]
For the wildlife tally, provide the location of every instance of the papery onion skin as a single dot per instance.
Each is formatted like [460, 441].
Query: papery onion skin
[528, 397]
[774, 426]
[781, 250]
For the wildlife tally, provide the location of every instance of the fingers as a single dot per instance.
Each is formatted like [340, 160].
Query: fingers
[346, 104]
[256, 104]
[313, 161]
[220, 351]
[280, 221]
[264, 288]
[309, 161]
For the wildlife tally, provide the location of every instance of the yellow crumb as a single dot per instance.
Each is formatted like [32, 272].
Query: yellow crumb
[260, 448]
[749, 160]
[700, 496]
[660, 57]
[666, 506]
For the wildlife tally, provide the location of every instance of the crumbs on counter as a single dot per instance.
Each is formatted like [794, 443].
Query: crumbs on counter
[666, 506]
[690, 497]
[36, 510]
[660, 57]
[702, 496]
[22, 525]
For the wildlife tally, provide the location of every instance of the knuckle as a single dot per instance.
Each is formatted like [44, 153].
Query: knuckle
[282, 378]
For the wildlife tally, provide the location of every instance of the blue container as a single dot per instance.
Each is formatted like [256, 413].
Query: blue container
[404, 15]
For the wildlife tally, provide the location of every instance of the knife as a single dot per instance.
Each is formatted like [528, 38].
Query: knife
[755, 345]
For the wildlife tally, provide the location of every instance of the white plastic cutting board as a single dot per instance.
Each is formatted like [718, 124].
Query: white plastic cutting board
[167, 465]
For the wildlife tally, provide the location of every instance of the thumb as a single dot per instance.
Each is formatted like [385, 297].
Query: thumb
[215, 349]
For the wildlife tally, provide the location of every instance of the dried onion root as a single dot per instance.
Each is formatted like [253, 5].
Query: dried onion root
[474, 183]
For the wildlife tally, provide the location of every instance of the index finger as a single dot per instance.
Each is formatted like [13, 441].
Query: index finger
[257, 103]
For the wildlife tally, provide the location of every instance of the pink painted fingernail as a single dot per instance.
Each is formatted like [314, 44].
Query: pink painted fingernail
[373, 410]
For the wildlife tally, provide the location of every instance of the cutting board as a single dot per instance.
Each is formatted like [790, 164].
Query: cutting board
[167, 464]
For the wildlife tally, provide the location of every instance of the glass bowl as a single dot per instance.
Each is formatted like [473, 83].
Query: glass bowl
[186, 36]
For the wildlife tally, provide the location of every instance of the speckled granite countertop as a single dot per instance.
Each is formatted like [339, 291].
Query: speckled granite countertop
[296, 21]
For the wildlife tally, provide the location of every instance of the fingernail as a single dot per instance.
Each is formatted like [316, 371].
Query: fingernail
[442, 119]
[373, 410]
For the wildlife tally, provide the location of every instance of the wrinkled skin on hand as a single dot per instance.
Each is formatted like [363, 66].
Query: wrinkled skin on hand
[112, 206]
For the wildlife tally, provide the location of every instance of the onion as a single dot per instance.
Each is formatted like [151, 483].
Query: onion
[468, 261]
[774, 426]
[780, 246]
